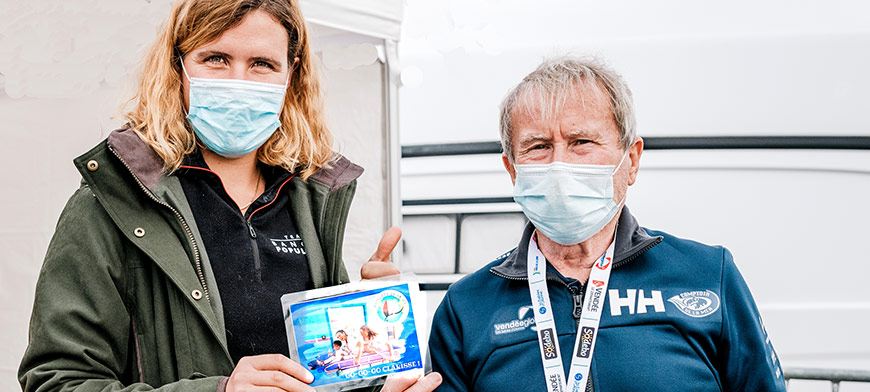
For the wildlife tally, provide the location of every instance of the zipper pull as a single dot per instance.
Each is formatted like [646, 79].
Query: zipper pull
[578, 305]
[251, 229]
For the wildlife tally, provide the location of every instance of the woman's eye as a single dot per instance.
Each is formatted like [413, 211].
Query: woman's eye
[263, 64]
[214, 60]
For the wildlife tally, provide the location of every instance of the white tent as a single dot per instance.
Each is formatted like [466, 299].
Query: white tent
[63, 74]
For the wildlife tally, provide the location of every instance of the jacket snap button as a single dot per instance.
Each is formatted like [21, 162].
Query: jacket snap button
[93, 165]
[196, 294]
[139, 232]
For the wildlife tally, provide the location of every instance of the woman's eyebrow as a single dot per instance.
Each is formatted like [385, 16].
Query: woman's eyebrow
[277, 64]
[208, 53]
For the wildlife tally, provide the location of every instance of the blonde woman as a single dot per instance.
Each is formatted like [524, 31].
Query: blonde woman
[163, 272]
[370, 344]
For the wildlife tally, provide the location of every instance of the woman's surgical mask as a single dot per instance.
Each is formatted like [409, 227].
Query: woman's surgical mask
[568, 203]
[234, 117]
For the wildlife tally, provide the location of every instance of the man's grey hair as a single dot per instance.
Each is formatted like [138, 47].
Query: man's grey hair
[559, 80]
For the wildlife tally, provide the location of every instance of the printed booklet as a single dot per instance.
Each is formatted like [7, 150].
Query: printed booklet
[349, 336]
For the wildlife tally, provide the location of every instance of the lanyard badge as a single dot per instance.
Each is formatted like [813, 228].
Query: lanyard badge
[587, 330]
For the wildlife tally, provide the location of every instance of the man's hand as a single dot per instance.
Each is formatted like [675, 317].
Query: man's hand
[269, 372]
[379, 264]
[413, 384]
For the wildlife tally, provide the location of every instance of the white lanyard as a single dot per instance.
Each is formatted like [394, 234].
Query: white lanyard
[587, 330]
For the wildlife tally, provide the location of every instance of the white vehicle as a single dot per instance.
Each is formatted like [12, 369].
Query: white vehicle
[757, 138]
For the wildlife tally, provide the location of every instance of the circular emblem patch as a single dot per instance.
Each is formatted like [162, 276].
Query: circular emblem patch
[696, 303]
[391, 306]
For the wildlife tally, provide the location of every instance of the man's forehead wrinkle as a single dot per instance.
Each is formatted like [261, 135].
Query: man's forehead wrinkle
[547, 100]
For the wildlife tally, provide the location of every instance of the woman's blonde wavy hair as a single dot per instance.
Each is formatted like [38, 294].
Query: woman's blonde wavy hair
[302, 142]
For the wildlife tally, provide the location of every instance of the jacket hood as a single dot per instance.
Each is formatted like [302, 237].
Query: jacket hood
[144, 163]
[631, 241]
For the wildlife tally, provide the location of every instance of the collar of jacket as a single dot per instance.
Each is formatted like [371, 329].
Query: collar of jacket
[125, 175]
[145, 165]
[631, 241]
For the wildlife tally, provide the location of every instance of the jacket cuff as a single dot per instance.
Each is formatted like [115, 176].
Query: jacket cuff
[222, 385]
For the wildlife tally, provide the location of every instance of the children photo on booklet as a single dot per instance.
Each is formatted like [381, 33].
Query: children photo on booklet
[356, 335]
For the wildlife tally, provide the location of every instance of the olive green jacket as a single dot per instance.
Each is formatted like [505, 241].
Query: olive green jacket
[126, 299]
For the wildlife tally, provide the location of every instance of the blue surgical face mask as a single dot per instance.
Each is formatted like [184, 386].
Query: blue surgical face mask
[234, 117]
[568, 203]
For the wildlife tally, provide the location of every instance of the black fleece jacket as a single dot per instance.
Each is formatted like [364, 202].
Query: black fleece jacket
[256, 257]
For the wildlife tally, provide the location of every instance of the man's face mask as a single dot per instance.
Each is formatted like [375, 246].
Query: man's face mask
[568, 203]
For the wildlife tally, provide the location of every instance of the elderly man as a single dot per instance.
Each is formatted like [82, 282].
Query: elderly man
[654, 312]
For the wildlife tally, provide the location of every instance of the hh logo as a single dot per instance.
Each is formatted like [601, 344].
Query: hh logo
[635, 301]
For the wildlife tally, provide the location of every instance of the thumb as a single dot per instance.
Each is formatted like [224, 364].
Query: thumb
[387, 244]
[405, 383]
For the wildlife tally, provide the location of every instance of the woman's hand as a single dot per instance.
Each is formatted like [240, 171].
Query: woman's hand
[379, 264]
[413, 384]
[269, 372]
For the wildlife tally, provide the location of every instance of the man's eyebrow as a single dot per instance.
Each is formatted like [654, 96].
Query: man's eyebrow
[582, 134]
[533, 137]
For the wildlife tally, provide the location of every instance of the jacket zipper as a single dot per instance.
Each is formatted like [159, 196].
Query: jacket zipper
[253, 232]
[254, 244]
[638, 253]
[190, 238]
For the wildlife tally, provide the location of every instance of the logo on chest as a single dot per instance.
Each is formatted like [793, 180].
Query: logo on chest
[525, 320]
[696, 303]
[289, 244]
[635, 301]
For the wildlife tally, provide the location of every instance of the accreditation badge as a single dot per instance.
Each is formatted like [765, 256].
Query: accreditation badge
[353, 335]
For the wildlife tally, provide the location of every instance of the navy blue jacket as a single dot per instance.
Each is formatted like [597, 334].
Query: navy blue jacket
[678, 316]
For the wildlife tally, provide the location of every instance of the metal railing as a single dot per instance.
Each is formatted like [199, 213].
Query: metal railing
[835, 376]
[670, 143]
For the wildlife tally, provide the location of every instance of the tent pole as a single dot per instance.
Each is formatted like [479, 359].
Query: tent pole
[393, 147]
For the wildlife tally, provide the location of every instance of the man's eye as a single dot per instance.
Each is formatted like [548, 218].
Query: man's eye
[582, 141]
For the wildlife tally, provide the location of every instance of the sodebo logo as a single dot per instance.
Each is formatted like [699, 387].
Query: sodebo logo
[587, 334]
[548, 345]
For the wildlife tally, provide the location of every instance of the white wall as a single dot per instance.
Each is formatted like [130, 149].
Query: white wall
[732, 68]
[63, 70]
[356, 118]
